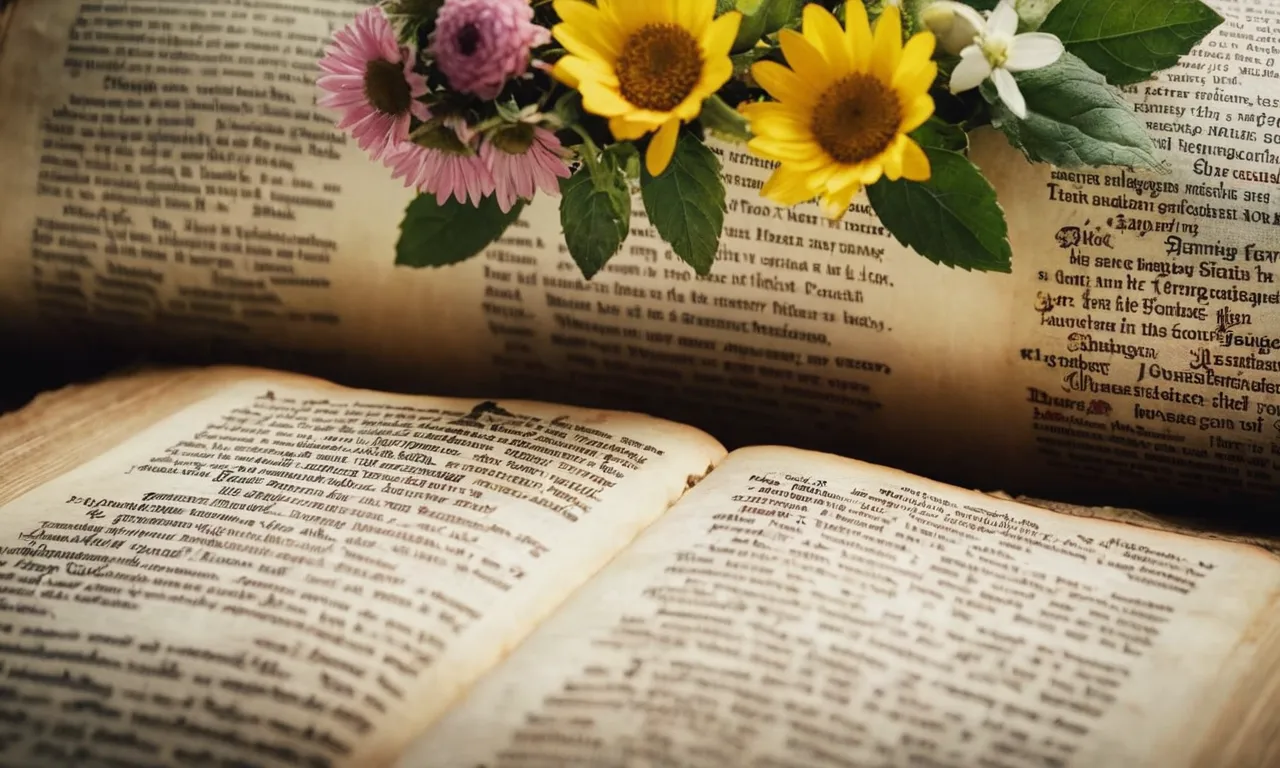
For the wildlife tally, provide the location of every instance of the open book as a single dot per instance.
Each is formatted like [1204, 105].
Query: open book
[232, 566]
[171, 189]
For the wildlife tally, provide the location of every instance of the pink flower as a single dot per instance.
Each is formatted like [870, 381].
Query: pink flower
[441, 173]
[480, 44]
[519, 174]
[371, 81]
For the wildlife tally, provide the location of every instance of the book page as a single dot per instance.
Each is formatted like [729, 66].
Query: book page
[797, 609]
[1147, 311]
[284, 575]
[1205, 525]
[180, 189]
[175, 189]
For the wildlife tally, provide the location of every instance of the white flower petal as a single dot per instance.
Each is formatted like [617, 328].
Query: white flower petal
[1003, 20]
[1033, 50]
[1007, 87]
[971, 71]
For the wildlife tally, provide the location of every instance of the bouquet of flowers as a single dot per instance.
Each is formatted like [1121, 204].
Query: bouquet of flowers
[481, 104]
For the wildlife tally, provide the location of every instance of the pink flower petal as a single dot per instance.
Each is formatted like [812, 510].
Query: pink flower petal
[368, 38]
[520, 176]
[464, 177]
[481, 44]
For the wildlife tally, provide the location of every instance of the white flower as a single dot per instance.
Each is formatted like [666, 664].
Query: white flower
[954, 24]
[997, 52]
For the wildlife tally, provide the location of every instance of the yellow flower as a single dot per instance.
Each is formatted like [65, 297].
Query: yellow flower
[647, 65]
[844, 107]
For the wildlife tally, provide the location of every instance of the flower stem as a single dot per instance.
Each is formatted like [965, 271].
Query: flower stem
[592, 154]
[724, 120]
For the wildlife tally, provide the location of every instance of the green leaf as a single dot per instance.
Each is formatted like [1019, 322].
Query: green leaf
[1032, 13]
[595, 213]
[939, 134]
[412, 18]
[1074, 119]
[433, 235]
[1127, 40]
[953, 218]
[686, 204]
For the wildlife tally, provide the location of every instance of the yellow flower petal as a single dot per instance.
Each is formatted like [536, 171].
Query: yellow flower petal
[787, 187]
[565, 74]
[836, 204]
[861, 174]
[720, 34]
[783, 151]
[908, 82]
[805, 59]
[750, 108]
[662, 147]
[596, 36]
[714, 75]
[824, 32]
[915, 163]
[696, 16]
[886, 49]
[778, 123]
[892, 159]
[632, 15]
[871, 172]
[846, 175]
[579, 44]
[647, 117]
[782, 83]
[690, 108]
[814, 165]
[821, 176]
[580, 69]
[857, 29]
[917, 113]
[593, 26]
[625, 130]
[917, 52]
[599, 100]
[803, 129]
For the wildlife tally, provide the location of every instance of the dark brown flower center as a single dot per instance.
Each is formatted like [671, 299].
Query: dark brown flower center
[385, 87]
[659, 66]
[514, 140]
[856, 119]
[468, 39]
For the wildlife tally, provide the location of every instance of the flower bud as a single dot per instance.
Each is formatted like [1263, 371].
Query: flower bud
[782, 12]
[954, 24]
